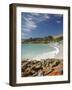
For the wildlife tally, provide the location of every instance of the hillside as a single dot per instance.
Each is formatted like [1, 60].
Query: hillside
[43, 39]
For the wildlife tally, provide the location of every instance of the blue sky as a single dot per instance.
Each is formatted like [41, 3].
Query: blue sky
[40, 25]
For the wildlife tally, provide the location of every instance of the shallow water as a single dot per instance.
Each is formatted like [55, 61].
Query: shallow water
[30, 51]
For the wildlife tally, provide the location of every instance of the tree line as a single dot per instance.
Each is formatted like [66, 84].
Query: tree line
[43, 40]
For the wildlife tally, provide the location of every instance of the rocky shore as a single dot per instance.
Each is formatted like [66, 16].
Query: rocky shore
[45, 67]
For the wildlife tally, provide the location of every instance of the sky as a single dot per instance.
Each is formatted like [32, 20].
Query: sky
[41, 25]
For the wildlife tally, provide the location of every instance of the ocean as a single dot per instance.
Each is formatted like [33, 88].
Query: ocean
[37, 51]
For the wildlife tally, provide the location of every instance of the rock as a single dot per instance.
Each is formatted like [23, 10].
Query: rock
[50, 61]
[56, 62]
[47, 71]
[41, 68]
[58, 70]
[35, 61]
[36, 66]
[35, 74]
[32, 71]
[27, 72]
[24, 64]
[40, 73]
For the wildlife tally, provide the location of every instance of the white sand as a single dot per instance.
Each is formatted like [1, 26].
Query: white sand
[58, 53]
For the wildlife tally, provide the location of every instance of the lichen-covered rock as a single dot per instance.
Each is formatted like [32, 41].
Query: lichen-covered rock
[41, 68]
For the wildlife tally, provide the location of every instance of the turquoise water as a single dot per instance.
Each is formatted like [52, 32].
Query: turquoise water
[29, 51]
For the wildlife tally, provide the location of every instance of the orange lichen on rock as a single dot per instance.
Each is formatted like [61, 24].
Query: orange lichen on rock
[58, 70]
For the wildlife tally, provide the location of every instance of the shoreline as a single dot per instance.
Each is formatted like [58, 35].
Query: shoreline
[57, 53]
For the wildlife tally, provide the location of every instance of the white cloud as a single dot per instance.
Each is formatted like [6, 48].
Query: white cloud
[46, 16]
[28, 24]
[58, 15]
[35, 14]
[58, 21]
[41, 17]
[25, 35]
[30, 21]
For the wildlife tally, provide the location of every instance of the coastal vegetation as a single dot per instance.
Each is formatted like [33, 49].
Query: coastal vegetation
[47, 39]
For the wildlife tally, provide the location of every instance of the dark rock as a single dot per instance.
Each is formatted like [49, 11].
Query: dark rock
[41, 68]
[56, 62]
[27, 72]
[35, 74]
[47, 71]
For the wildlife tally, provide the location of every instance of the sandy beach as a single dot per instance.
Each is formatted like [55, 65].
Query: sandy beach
[57, 53]
[60, 54]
